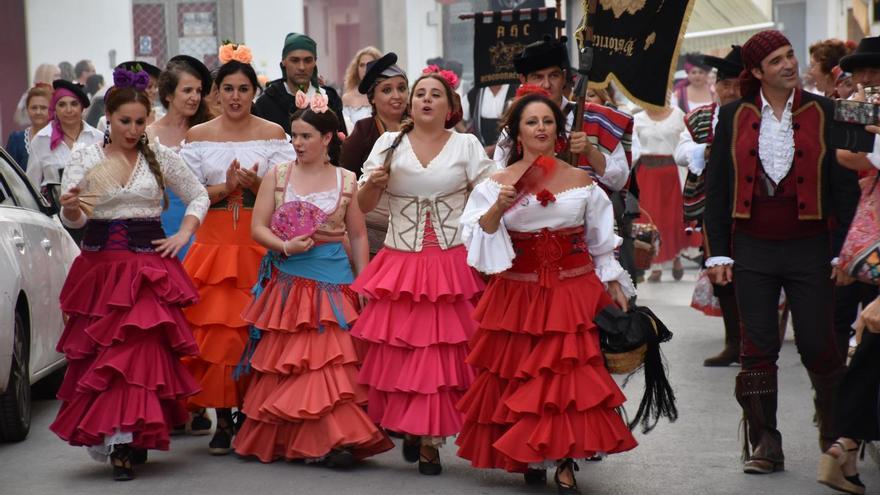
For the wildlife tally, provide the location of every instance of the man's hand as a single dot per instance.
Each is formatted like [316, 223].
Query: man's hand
[578, 143]
[721, 274]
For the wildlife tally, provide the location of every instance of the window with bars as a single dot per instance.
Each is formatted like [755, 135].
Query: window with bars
[165, 28]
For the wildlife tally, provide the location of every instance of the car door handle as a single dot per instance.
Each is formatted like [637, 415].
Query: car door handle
[18, 240]
[47, 244]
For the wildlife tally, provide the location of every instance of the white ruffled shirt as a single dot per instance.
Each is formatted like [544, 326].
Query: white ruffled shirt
[210, 159]
[588, 206]
[140, 197]
[776, 140]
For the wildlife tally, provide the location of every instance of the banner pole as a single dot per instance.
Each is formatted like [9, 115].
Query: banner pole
[560, 24]
[584, 38]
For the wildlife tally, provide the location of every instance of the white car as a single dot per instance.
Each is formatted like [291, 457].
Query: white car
[35, 255]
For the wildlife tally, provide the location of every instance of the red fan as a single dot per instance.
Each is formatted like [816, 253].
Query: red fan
[534, 178]
[296, 218]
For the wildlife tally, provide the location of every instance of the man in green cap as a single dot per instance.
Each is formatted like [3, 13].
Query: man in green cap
[299, 66]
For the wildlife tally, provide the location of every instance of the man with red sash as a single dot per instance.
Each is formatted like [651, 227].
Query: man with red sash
[691, 152]
[605, 142]
[777, 209]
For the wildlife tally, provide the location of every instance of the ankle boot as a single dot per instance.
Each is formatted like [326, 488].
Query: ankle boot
[825, 401]
[730, 353]
[756, 392]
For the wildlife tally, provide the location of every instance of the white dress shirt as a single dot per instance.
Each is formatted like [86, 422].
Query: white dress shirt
[44, 163]
[690, 154]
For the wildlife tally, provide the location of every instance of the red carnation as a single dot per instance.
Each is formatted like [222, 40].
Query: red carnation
[545, 197]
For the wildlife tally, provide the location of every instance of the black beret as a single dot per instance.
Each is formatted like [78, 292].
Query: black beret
[77, 90]
[198, 66]
[548, 52]
[150, 69]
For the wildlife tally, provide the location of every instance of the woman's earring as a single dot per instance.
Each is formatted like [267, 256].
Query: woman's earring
[143, 139]
[107, 136]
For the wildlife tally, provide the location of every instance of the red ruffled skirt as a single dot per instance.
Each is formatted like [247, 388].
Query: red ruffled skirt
[660, 196]
[417, 326]
[542, 392]
[304, 399]
[223, 263]
[123, 341]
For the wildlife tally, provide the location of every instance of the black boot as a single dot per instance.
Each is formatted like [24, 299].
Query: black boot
[756, 392]
[730, 353]
[221, 443]
[825, 400]
[120, 459]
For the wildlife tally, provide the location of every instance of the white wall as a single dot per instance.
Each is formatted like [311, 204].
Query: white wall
[75, 30]
[266, 23]
[423, 40]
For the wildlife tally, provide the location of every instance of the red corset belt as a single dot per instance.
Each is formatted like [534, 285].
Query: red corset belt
[549, 255]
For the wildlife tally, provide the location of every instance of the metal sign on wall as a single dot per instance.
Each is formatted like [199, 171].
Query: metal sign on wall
[498, 38]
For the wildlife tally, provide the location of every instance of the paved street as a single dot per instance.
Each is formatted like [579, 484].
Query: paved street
[699, 454]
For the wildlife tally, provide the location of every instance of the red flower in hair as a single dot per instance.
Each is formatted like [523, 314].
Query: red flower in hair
[527, 89]
[545, 197]
[448, 75]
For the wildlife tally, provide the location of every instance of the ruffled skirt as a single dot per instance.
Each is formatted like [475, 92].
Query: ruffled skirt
[304, 399]
[417, 326]
[542, 393]
[123, 341]
[660, 196]
[223, 263]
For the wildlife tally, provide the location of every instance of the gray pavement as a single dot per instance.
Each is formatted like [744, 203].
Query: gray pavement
[699, 454]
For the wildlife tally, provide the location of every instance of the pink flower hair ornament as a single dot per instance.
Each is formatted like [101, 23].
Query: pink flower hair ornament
[448, 75]
[317, 103]
[230, 51]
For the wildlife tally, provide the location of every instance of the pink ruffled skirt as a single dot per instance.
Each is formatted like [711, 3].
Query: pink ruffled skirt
[417, 326]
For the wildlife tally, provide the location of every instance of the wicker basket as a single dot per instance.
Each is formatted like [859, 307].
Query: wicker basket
[624, 363]
[646, 242]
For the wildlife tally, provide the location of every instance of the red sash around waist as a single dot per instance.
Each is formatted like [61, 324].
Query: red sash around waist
[549, 255]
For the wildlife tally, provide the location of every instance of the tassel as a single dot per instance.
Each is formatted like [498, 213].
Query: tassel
[244, 364]
[658, 400]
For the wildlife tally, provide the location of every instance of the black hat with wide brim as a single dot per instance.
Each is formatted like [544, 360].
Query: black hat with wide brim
[384, 66]
[150, 69]
[549, 52]
[73, 87]
[866, 55]
[198, 66]
[728, 67]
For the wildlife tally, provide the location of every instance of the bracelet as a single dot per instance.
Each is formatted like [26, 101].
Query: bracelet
[284, 248]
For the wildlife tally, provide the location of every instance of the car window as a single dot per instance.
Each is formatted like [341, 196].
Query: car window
[14, 184]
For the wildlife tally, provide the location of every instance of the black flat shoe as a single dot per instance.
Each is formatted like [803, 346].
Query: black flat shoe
[430, 465]
[138, 456]
[410, 447]
[565, 488]
[535, 477]
[221, 443]
[339, 458]
[200, 424]
[120, 458]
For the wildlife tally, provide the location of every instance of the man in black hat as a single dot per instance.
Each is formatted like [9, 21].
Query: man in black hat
[691, 152]
[299, 67]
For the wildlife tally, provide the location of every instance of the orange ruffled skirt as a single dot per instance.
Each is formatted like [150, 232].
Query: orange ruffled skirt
[304, 399]
[223, 263]
[542, 392]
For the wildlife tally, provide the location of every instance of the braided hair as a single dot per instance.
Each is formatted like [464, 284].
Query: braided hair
[118, 96]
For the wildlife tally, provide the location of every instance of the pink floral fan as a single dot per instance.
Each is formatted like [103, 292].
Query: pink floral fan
[296, 218]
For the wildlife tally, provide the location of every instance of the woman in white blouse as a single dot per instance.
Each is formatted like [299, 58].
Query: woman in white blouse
[126, 332]
[229, 155]
[542, 396]
[418, 321]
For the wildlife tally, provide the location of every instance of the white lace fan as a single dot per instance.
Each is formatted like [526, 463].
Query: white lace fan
[101, 181]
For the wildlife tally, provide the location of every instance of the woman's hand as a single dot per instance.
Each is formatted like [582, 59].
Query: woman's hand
[232, 176]
[247, 177]
[379, 178]
[506, 197]
[70, 199]
[170, 246]
[299, 244]
[870, 316]
[617, 295]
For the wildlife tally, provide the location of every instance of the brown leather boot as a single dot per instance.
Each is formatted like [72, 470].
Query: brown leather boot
[756, 392]
[729, 311]
[825, 401]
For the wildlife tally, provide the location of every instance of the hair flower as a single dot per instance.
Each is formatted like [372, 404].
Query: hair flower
[124, 78]
[545, 197]
[448, 75]
[141, 80]
[231, 51]
[319, 103]
[527, 89]
[301, 100]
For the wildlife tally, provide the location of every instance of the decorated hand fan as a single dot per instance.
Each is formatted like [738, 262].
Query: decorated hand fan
[535, 177]
[296, 218]
[102, 180]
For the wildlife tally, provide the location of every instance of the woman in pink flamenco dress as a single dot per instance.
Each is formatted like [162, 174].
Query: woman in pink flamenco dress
[421, 292]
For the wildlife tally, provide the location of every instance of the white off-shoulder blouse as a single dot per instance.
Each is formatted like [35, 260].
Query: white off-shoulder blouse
[210, 159]
[140, 197]
[588, 206]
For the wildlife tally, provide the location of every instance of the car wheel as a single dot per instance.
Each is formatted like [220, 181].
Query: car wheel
[15, 403]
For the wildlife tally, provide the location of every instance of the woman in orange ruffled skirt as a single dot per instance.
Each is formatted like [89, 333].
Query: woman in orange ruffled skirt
[229, 155]
[304, 401]
[542, 396]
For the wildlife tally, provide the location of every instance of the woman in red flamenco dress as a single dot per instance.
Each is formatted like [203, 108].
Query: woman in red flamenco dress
[544, 230]
[125, 335]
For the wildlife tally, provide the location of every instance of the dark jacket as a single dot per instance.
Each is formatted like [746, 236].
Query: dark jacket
[825, 190]
[356, 149]
[17, 149]
[277, 105]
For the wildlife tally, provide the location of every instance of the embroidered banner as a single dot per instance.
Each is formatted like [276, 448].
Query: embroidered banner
[498, 38]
